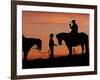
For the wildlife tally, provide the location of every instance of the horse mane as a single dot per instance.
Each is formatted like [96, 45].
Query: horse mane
[62, 33]
[30, 38]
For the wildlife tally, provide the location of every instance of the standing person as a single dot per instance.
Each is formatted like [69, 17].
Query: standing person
[51, 45]
[74, 27]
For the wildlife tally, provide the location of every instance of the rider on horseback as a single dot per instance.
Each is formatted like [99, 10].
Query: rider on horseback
[74, 27]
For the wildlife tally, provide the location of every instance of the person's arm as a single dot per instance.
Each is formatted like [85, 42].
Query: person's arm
[70, 26]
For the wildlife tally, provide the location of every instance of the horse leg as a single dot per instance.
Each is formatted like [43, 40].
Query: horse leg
[25, 54]
[70, 50]
[82, 46]
[87, 47]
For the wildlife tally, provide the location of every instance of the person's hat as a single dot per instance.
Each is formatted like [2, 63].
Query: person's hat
[73, 21]
[51, 35]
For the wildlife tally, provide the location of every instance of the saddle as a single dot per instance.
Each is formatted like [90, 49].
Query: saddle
[73, 36]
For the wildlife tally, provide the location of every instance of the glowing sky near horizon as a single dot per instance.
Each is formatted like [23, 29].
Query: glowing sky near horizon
[41, 24]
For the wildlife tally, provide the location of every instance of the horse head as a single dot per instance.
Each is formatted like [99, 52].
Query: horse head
[37, 42]
[59, 38]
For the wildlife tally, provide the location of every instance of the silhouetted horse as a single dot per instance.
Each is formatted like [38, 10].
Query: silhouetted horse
[27, 43]
[74, 40]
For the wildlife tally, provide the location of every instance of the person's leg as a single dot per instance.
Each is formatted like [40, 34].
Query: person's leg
[52, 52]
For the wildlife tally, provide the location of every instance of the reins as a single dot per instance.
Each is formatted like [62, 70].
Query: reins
[40, 51]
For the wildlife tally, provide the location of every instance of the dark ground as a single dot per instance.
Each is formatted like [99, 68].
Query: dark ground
[68, 61]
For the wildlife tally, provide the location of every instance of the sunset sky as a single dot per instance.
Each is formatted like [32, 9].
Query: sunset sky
[41, 24]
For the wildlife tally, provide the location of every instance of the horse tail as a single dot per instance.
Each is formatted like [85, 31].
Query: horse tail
[85, 40]
[87, 45]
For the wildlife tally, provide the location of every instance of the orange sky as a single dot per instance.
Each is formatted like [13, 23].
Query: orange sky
[41, 24]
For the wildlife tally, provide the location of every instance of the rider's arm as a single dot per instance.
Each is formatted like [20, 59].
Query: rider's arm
[70, 26]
